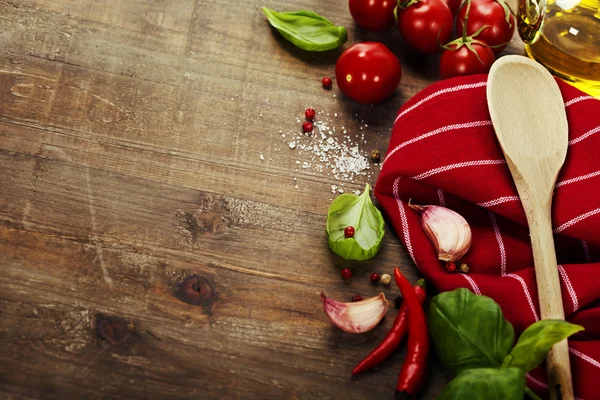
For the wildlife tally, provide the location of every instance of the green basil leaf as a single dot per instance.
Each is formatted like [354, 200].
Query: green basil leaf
[486, 383]
[359, 212]
[307, 30]
[469, 331]
[537, 340]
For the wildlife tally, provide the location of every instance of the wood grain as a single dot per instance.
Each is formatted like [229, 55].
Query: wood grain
[130, 134]
[535, 147]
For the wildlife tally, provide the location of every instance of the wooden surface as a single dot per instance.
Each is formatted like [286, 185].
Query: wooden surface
[535, 160]
[130, 134]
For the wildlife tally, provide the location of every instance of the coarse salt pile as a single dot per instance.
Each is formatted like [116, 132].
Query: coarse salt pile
[332, 151]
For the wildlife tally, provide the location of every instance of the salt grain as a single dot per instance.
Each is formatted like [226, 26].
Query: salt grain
[332, 154]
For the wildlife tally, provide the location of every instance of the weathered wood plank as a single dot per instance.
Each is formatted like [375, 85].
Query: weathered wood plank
[204, 154]
[136, 242]
[271, 330]
[130, 134]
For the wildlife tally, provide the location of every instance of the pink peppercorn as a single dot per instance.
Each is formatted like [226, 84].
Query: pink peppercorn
[374, 278]
[349, 232]
[310, 114]
[346, 273]
[451, 267]
[307, 127]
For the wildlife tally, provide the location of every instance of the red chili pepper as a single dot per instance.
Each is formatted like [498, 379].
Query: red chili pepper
[413, 369]
[395, 336]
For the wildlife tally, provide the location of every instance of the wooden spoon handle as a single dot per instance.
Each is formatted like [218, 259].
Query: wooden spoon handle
[559, 372]
[550, 298]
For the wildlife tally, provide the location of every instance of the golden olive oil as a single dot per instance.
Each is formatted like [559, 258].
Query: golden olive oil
[569, 43]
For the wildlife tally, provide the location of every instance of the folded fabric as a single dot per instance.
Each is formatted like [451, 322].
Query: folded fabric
[443, 151]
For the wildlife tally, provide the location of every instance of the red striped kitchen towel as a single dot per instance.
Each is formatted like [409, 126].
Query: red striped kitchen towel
[443, 151]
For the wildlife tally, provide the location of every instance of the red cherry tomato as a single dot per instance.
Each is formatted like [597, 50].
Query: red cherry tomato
[453, 5]
[425, 25]
[373, 15]
[368, 72]
[464, 61]
[487, 12]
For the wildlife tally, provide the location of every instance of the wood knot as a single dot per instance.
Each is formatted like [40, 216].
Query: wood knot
[197, 291]
[112, 329]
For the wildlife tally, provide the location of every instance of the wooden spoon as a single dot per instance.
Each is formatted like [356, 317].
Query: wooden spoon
[529, 118]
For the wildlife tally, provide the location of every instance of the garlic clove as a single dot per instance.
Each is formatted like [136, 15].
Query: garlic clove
[357, 317]
[447, 230]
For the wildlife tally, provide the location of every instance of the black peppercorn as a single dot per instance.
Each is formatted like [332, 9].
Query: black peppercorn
[398, 301]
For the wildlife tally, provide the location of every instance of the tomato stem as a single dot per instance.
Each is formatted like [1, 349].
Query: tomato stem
[470, 47]
[464, 32]
[468, 40]
[439, 45]
[405, 4]
[507, 11]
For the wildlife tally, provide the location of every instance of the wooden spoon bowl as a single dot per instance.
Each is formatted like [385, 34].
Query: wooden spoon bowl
[529, 118]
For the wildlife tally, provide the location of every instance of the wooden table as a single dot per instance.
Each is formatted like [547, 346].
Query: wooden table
[130, 142]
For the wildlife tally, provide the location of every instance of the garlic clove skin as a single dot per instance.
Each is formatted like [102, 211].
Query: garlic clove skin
[448, 231]
[357, 317]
